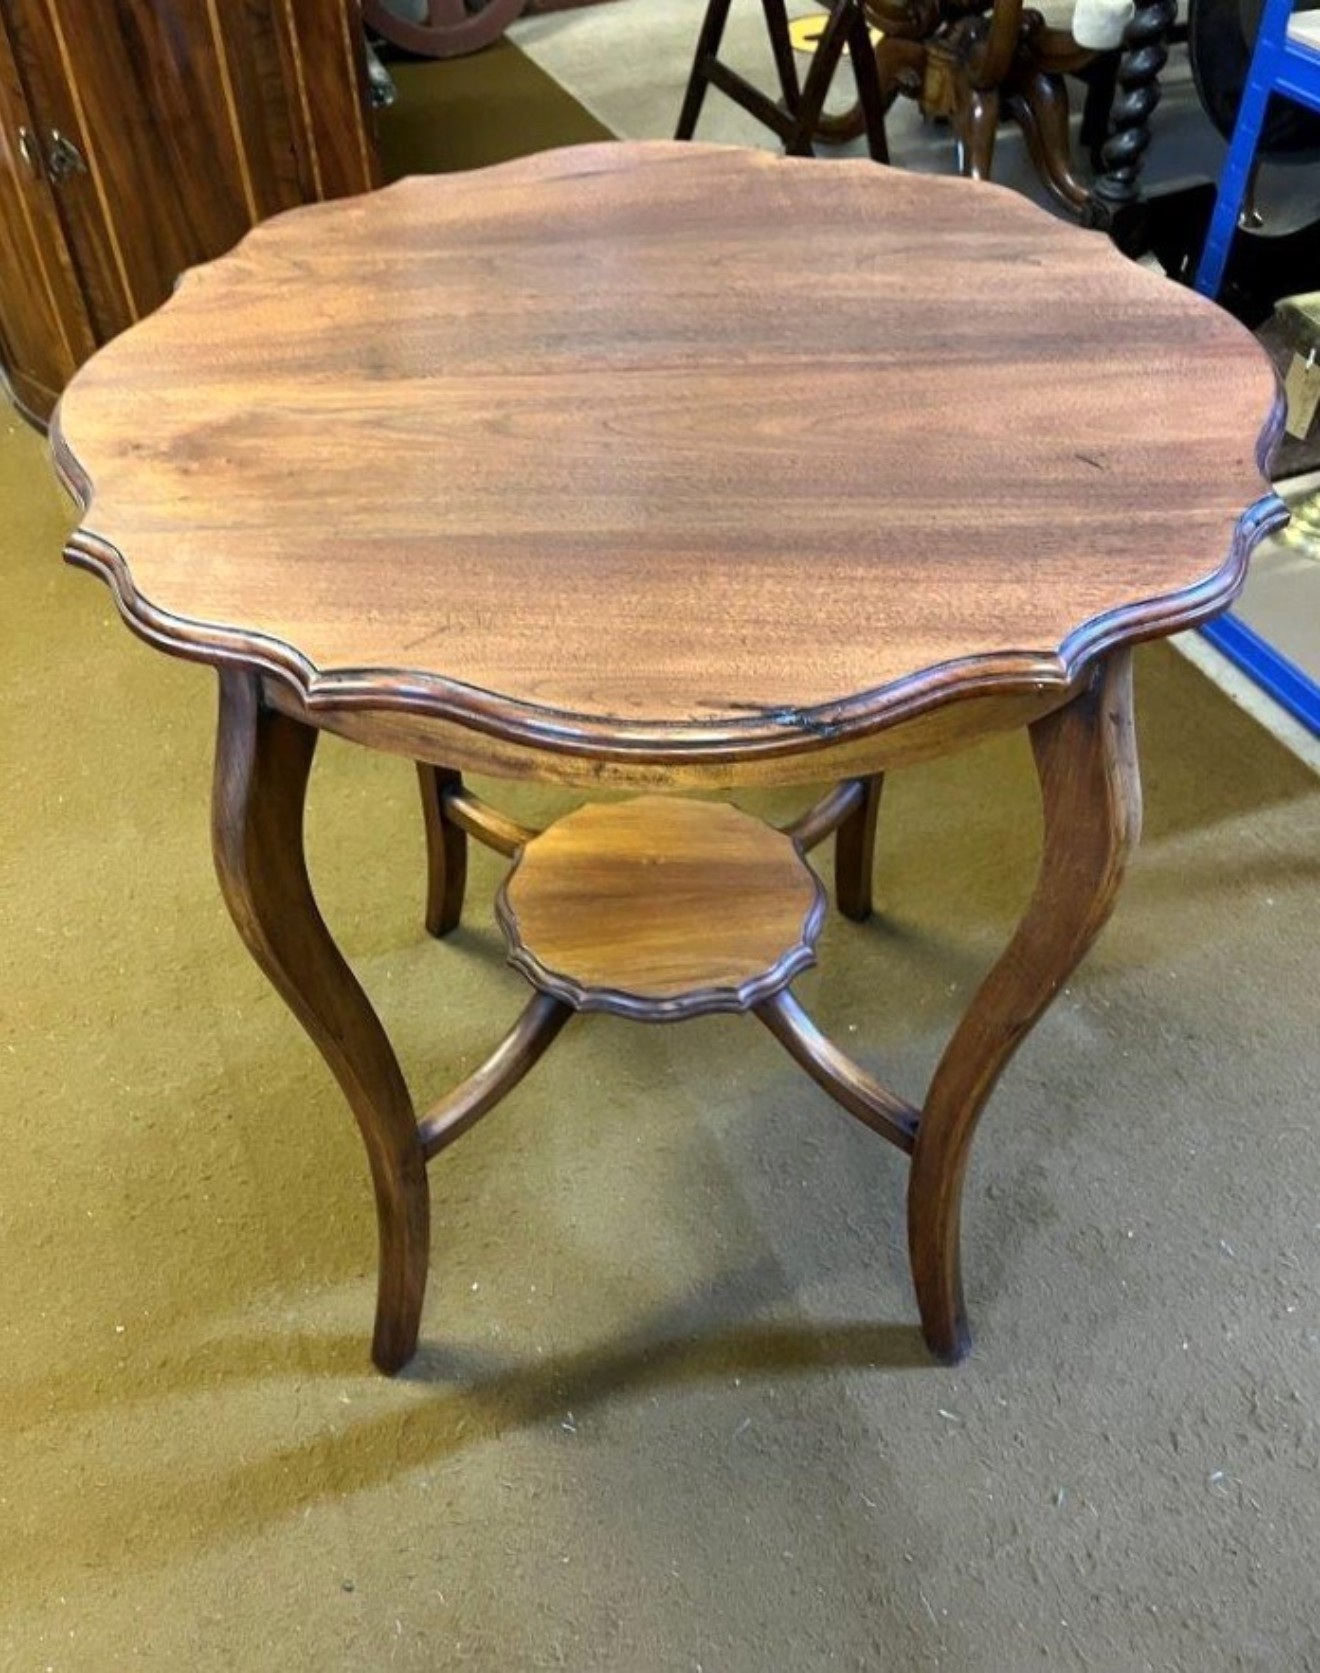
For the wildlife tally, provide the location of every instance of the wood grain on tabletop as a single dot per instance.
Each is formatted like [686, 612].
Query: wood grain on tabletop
[673, 439]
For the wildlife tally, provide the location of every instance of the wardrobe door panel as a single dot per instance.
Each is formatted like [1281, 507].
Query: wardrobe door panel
[328, 74]
[156, 100]
[44, 329]
[90, 240]
[140, 137]
[266, 104]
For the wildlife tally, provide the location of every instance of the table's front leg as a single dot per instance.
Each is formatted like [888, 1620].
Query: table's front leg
[262, 764]
[1086, 761]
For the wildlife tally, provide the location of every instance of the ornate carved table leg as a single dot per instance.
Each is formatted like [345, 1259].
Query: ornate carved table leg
[1086, 761]
[976, 126]
[262, 764]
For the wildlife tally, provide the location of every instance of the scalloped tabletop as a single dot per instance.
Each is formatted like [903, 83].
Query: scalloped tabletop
[690, 443]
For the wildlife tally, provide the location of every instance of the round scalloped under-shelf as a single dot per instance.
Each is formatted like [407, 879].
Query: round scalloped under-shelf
[660, 908]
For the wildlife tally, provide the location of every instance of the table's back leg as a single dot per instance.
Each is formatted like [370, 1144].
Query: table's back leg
[1086, 761]
[446, 851]
[262, 764]
[854, 853]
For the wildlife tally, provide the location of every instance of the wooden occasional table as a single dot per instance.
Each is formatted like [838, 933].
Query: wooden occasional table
[670, 468]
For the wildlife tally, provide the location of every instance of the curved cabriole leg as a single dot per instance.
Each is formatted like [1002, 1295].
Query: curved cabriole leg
[1040, 103]
[1091, 793]
[262, 764]
[854, 853]
[446, 850]
[976, 125]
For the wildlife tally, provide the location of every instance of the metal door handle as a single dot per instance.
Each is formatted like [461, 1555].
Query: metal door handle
[63, 159]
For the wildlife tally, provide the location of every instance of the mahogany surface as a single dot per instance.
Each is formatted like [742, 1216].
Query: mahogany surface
[568, 372]
[522, 472]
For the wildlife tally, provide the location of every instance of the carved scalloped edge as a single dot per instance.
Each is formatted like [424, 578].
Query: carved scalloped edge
[764, 733]
[697, 1002]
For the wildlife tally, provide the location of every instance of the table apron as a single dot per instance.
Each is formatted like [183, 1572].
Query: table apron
[937, 732]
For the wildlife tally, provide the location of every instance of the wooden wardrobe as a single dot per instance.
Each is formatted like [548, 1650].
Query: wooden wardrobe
[138, 137]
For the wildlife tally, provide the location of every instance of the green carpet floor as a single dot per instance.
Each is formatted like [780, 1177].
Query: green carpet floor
[468, 112]
[671, 1412]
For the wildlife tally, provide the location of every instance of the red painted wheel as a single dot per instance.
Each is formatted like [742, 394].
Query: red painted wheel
[448, 29]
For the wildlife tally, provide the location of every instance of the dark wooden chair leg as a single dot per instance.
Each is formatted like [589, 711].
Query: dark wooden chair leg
[708, 46]
[976, 127]
[262, 764]
[871, 94]
[1086, 761]
[854, 854]
[815, 89]
[446, 851]
[781, 45]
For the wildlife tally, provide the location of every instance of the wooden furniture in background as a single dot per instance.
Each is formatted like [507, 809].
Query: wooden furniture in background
[566, 435]
[1123, 92]
[796, 115]
[141, 138]
[974, 62]
[970, 62]
[452, 28]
